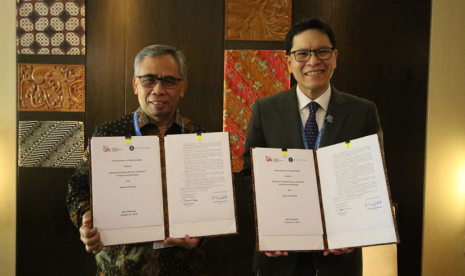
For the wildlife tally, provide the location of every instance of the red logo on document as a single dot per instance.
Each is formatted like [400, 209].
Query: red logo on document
[106, 149]
[268, 159]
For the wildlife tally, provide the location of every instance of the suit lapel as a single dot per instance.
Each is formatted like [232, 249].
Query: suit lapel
[290, 115]
[337, 110]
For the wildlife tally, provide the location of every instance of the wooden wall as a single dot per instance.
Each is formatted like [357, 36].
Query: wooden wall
[383, 56]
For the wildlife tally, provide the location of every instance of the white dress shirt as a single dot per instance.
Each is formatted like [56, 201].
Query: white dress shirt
[323, 101]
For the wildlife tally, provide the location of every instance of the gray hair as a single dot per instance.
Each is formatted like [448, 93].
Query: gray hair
[158, 50]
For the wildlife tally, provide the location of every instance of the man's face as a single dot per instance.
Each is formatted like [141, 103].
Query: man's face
[159, 103]
[312, 76]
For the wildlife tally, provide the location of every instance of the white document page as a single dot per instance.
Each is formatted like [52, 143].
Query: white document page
[199, 185]
[355, 196]
[127, 189]
[287, 202]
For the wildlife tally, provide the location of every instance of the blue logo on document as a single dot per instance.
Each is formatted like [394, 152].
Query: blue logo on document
[131, 148]
[290, 159]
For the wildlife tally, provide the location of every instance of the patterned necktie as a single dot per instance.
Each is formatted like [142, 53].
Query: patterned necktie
[311, 127]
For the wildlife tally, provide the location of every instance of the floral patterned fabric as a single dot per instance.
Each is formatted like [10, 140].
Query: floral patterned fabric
[133, 259]
[248, 76]
[50, 27]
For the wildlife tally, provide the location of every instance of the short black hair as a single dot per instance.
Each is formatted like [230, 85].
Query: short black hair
[308, 24]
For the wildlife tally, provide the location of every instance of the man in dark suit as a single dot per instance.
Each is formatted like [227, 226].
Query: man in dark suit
[282, 121]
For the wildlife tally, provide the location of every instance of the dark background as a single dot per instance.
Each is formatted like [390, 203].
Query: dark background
[383, 56]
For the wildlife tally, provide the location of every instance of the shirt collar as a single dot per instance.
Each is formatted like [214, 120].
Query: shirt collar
[323, 100]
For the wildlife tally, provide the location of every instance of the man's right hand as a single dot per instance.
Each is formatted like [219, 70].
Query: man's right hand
[276, 253]
[90, 236]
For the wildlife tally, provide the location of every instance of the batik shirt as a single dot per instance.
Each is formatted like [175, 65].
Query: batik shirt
[141, 258]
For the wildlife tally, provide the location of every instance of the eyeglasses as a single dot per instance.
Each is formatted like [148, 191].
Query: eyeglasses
[321, 54]
[150, 81]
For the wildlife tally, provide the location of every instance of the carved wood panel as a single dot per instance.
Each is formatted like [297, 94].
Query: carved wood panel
[257, 19]
[44, 87]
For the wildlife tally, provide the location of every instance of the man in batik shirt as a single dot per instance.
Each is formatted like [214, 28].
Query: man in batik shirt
[159, 82]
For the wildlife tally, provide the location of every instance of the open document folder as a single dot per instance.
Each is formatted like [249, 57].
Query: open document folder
[335, 197]
[132, 202]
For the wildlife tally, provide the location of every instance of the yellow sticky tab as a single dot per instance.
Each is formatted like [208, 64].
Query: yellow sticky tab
[284, 152]
[128, 140]
[348, 145]
[199, 136]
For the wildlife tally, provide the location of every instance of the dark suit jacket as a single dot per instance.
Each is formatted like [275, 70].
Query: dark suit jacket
[276, 123]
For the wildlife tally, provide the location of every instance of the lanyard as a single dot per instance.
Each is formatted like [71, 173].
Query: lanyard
[137, 128]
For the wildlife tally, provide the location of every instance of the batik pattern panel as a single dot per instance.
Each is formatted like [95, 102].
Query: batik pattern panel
[248, 76]
[259, 20]
[45, 87]
[50, 143]
[49, 27]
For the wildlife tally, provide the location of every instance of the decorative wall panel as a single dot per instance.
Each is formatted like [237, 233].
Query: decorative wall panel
[258, 19]
[50, 143]
[49, 27]
[248, 76]
[45, 87]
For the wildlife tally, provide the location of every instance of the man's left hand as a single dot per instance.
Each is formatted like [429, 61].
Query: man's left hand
[338, 251]
[187, 242]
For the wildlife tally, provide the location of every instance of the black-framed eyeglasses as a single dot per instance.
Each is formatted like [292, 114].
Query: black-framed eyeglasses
[321, 54]
[150, 81]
